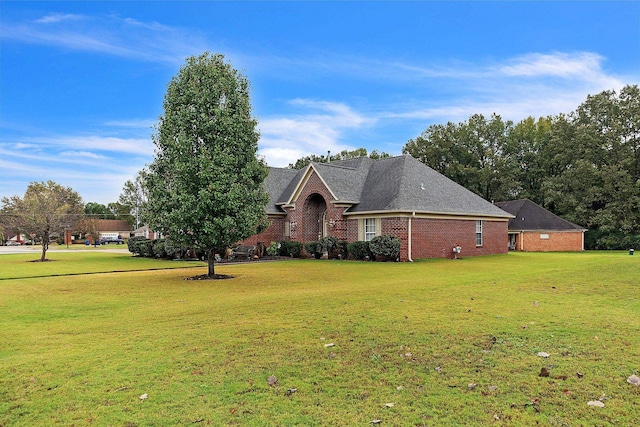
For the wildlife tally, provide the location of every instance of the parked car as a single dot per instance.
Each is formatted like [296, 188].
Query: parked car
[12, 243]
[108, 240]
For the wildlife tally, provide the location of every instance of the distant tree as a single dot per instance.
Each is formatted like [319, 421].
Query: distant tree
[120, 211]
[583, 166]
[343, 155]
[46, 208]
[205, 184]
[134, 196]
[469, 153]
[98, 211]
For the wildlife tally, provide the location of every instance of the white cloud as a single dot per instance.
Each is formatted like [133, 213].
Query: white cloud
[124, 146]
[55, 18]
[286, 139]
[111, 35]
[82, 154]
[132, 124]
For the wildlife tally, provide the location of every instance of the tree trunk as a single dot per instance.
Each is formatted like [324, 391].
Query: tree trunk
[211, 257]
[45, 245]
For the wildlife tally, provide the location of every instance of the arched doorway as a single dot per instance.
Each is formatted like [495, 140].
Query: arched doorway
[315, 209]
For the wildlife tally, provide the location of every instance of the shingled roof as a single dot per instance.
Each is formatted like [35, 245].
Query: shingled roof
[530, 216]
[394, 184]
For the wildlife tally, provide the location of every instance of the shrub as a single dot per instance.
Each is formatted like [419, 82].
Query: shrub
[133, 244]
[171, 249]
[329, 245]
[314, 249]
[359, 250]
[385, 246]
[158, 247]
[290, 248]
[274, 248]
[341, 251]
[146, 248]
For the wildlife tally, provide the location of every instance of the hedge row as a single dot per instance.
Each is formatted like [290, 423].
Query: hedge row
[159, 248]
[380, 248]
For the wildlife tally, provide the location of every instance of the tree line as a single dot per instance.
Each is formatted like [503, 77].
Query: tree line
[583, 166]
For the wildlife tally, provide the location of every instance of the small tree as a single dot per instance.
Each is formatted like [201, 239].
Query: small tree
[133, 197]
[46, 208]
[205, 185]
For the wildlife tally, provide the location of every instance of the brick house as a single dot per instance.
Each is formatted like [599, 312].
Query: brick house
[358, 199]
[535, 229]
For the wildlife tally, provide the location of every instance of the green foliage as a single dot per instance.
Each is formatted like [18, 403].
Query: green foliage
[133, 244]
[343, 155]
[329, 245]
[599, 239]
[359, 250]
[98, 211]
[204, 186]
[385, 246]
[290, 248]
[159, 248]
[314, 249]
[173, 250]
[133, 199]
[273, 249]
[583, 166]
[341, 250]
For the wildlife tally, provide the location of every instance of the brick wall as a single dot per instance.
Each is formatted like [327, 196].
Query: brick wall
[435, 238]
[306, 225]
[273, 233]
[557, 241]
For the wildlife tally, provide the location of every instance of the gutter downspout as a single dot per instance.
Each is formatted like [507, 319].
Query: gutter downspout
[409, 238]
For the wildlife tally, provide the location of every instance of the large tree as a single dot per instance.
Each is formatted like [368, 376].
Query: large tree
[46, 208]
[205, 184]
[470, 153]
[583, 165]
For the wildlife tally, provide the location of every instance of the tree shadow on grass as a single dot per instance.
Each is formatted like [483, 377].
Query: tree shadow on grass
[214, 277]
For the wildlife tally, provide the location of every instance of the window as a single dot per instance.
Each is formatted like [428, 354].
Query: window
[478, 233]
[369, 229]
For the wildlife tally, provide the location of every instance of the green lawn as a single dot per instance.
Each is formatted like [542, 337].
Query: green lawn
[20, 266]
[343, 340]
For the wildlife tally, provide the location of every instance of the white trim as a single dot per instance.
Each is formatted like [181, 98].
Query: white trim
[303, 183]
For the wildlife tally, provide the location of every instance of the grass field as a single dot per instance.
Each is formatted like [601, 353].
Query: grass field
[438, 342]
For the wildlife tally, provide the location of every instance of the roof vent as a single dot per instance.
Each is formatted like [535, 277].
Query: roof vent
[422, 186]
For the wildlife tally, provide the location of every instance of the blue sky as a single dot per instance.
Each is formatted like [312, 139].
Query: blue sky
[82, 83]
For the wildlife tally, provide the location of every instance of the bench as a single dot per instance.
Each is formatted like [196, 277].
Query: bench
[242, 251]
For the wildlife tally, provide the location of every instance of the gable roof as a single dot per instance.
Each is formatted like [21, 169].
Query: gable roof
[530, 216]
[394, 184]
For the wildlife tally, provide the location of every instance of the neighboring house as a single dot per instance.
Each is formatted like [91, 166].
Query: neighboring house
[146, 232]
[112, 228]
[358, 199]
[535, 229]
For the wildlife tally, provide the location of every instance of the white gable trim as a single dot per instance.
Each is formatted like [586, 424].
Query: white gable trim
[303, 182]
